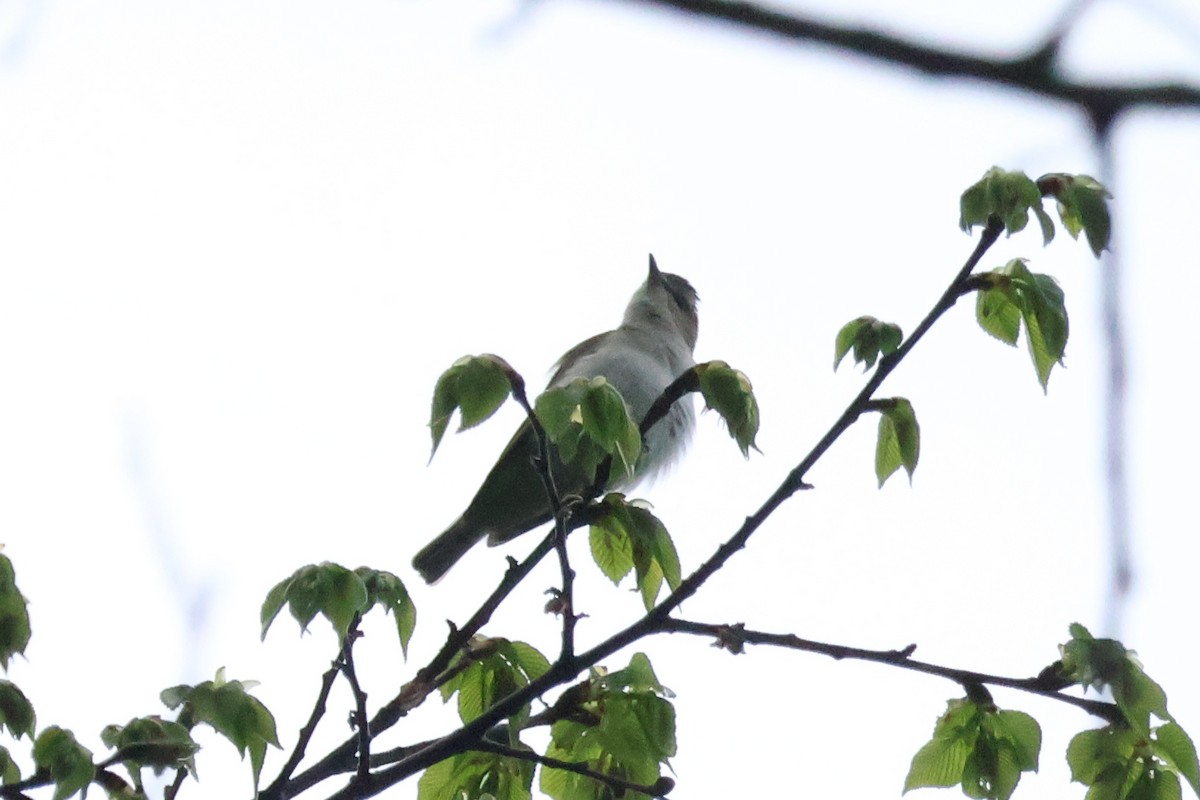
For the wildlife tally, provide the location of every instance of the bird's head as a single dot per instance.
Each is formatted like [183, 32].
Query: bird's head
[665, 301]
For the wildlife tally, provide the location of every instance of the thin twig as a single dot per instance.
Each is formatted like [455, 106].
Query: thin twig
[362, 725]
[16, 789]
[565, 600]
[275, 790]
[731, 637]
[657, 789]
[172, 791]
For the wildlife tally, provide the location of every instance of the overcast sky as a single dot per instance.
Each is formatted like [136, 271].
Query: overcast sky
[240, 240]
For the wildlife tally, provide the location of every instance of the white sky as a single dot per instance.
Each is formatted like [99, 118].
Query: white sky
[239, 241]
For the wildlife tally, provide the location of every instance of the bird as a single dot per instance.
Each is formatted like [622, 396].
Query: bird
[651, 347]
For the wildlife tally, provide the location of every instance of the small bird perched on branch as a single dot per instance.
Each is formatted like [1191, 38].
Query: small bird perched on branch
[651, 348]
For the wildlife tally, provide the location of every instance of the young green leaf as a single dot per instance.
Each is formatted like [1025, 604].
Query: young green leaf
[870, 338]
[1175, 748]
[1017, 295]
[477, 775]
[231, 711]
[899, 442]
[941, 760]
[606, 419]
[9, 771]
[1105, 663]
[1115, 762]
[621, 727]
[152, 742]
[728, 392]
[998, 315]
[639, 676]
[983, 749]
[1082, 206]
[66, 761]
[16, 712]
[627, 536]
[476, 386]
[498, 667]
[588, 421]
[14, 616]
[1007, 195]
[333, 591]
[387, 590]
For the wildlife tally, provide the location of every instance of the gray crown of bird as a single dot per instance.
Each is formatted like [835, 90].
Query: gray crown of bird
[651, 348]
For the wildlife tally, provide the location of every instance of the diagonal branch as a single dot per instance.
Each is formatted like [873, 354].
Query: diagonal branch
[306, 733]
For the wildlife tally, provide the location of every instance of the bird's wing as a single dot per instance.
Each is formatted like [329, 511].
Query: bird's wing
[577, 355]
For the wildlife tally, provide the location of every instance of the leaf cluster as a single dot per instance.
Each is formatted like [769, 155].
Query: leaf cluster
[228, 708]
[627, 537]
[340, 595]
[1012, 296]
[590, 424]
[978, 747]
[620, 723]
[489, 669]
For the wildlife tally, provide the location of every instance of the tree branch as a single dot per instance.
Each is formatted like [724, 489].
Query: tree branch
[732, 637]
[1034, 73]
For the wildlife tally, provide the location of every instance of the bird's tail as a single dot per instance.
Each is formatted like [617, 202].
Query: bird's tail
[444, 552]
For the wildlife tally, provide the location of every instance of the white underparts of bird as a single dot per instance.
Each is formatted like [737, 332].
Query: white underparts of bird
[650, 349]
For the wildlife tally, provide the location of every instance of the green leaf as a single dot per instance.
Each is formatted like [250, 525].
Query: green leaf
[899, 442]
[498, 667]
[1101, 663]
[639, 676]
[1023, 734]
[1175, 747]
[16, 712]
[1082, 206]
[941, 761]
[1156, 785]
[728, 392]
[387, 590]
[869, 338]
[68, 763]
[1103, 755]
[9, 771]
[1017, 295]
[14, 615]
[477, 775]
[1046, 224]
[998, 315]
[476, 386]
[612, 551]
[333, 591]
[588, 421]
[629, 732]
[627, 534]
[982, 748]
[606, 419]
[152, 742]
[231, 711]
[1007, 195]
